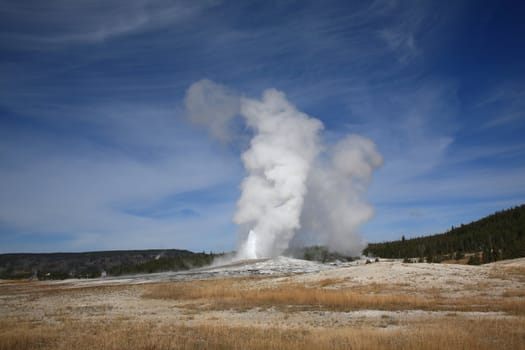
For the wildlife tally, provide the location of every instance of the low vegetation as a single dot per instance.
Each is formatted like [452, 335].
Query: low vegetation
[446, 333]
[239, 294]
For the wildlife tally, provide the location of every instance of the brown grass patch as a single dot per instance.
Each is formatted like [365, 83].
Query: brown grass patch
[327, 282]
[222, 294]
[445, 333]
[514, 293]
[513, 273]
[237, 294]
[44, 288]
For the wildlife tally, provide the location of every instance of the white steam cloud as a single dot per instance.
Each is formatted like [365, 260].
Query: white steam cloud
[295, 189]
[213, 106]
[278, 162]
[335, 206]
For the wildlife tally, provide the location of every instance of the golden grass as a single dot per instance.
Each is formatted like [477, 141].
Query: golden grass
[514, 293]
[17, 281]
[445, 333]
[513, 273]
[224, 294]
[46, 288]
[22, 336]
[234, 294]
[326, 282]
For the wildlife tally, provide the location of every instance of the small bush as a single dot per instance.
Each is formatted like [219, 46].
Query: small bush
[474, 260]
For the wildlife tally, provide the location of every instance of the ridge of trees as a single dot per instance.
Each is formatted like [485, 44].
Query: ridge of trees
[496, 237]
[96, 264]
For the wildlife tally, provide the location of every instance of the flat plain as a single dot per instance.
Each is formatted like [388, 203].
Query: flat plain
[279, 303]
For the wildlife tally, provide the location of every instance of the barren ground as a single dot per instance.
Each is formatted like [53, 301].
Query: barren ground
[278, 303]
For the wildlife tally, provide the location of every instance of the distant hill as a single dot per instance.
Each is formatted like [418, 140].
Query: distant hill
[496, 237]
[95, 264]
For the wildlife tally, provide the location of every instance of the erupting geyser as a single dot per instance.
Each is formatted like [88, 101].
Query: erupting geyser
[249, 249]
[278, 161]
[295, 187]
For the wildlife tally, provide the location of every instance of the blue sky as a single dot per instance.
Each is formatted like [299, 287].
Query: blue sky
[96, 151]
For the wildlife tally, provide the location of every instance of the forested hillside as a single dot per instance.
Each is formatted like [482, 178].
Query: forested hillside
[495, 237]
[95, 264]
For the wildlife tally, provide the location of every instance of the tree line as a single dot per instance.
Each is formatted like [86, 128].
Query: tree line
[96, 264]
[496, 237]
[174, 263]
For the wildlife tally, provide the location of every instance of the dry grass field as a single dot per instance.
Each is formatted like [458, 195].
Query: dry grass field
[385, 305]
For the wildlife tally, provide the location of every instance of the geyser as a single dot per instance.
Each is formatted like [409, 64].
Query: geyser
[249, 250]
[278, 161]
[295, 187]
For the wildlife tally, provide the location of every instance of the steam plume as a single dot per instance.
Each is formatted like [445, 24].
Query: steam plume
[278, 162]
[213, 106]
[295, 188]
[335, 206]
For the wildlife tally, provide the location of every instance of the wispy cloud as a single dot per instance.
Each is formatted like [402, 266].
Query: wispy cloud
[88, 21]
[401, 42]
[83, 185]
[506, 102]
